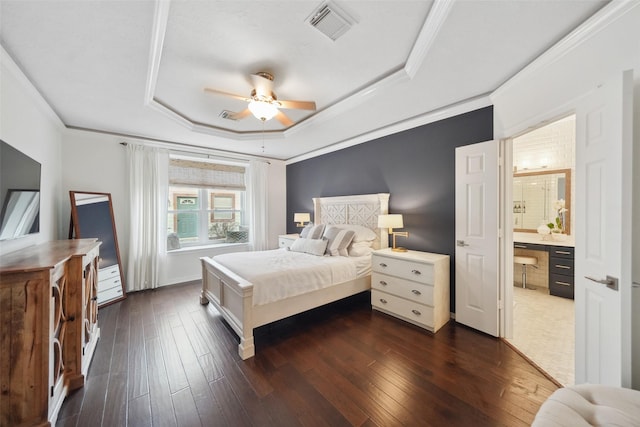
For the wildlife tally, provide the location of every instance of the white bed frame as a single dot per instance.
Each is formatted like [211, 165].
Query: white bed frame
[232, 295]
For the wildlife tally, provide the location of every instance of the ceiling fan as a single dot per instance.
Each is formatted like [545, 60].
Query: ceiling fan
[263, 103]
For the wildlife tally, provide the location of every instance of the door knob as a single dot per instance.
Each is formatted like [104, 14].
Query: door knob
[461, 243]
[611, 282]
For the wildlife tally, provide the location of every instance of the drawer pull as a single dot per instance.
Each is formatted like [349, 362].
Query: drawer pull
[416, 272]
[416, 292]
[520, 246]
[563, 252]
[383, 265]
[416, 312]
[383, 283]
[563, 283]
[566, 267]
[382, 300]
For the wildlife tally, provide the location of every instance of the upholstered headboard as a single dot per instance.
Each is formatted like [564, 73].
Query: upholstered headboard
[359, 210]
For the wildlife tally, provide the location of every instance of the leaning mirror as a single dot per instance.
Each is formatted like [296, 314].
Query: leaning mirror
[537, 197]
[92, 217]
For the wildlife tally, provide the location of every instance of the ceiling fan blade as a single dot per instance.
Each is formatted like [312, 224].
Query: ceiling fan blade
[231, 95]
[282, 118]
[298, 105]
[262, 85]
[240, 115]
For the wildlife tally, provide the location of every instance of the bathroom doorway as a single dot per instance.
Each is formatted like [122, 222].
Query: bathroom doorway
[543, 213]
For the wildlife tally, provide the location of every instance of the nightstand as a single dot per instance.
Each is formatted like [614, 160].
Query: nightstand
[285, 240]
[412, 286]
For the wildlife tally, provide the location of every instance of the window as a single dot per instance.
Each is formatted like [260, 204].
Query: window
[206, 203]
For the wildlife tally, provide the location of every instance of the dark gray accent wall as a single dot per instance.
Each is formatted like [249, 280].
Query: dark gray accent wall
[416, 166]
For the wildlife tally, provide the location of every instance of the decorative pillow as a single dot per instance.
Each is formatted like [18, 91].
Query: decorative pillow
[309, 246]
[338, 240]
[363, 234]
[311, 231]
[356, 249]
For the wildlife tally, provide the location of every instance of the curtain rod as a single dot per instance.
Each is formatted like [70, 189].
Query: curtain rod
[197, 150]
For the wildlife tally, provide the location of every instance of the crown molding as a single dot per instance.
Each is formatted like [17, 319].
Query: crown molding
[349, 102]
[10, 65]
[160, 19]
[599, 21]
[432, 25]
[452, 110]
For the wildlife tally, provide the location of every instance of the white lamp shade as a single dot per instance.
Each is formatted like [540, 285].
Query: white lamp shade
[301, 217]
[263, 110]
[390, 221]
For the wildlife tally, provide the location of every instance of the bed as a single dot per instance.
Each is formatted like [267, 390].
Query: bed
[232, 293]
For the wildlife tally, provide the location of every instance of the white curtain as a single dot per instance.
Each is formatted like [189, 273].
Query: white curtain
[258, 219]
[148, 188]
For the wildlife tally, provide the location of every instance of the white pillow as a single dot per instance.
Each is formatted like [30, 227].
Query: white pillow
[309, 246]
[338, 240]
[356, 249]
[311, 231]
[363, 234]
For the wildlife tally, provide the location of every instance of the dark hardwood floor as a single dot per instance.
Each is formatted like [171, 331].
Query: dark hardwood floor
[163, 360]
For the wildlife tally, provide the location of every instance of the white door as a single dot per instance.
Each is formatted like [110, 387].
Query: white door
[603, 238]
[476, 257]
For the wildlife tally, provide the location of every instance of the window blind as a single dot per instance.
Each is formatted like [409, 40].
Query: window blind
[193, 173]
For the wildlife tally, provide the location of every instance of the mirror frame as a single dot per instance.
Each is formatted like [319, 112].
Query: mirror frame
[567, 192]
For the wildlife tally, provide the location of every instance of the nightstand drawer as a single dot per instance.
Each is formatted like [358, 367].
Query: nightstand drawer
[400, 307]
[408, 289]
[409, 270]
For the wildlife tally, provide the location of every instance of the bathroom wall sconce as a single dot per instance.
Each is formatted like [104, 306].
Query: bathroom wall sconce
[392, 221]
[301, 218]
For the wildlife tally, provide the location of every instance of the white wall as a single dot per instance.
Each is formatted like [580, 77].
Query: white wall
[28, 124]
[95, 162]
[553, 84]
[98, 163]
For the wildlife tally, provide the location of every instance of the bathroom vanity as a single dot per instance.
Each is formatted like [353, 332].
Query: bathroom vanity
[558, 259]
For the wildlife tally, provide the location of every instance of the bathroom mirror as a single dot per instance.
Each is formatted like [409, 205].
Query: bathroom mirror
[534, 199]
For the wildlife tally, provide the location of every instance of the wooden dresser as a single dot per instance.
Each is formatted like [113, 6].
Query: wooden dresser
[48, 327]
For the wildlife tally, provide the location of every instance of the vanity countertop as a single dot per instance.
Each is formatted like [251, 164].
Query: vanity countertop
[542, 240]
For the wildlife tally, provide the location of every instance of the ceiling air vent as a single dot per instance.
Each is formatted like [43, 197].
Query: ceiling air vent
[226, 114]
[330, 21]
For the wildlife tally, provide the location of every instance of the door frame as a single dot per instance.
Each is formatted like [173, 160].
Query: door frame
[506, 218]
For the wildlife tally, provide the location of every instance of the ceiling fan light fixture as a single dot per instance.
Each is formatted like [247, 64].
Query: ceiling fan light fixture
[263, 110]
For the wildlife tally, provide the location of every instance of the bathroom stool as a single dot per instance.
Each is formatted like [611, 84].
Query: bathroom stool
[524, 261]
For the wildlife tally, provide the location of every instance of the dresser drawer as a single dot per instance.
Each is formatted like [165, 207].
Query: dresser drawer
[109, 294]
[405, 269]
[561, 266]
[111, 282]
[411, 311]
[411, 290]
[109, 272]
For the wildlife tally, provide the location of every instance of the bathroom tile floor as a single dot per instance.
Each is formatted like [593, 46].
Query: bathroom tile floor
[544, 331]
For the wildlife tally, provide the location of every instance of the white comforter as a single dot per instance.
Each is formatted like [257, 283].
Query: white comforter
[280, 273]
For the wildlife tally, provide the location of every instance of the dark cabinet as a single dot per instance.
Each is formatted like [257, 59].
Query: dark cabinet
[561, 267]
[561, 271]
